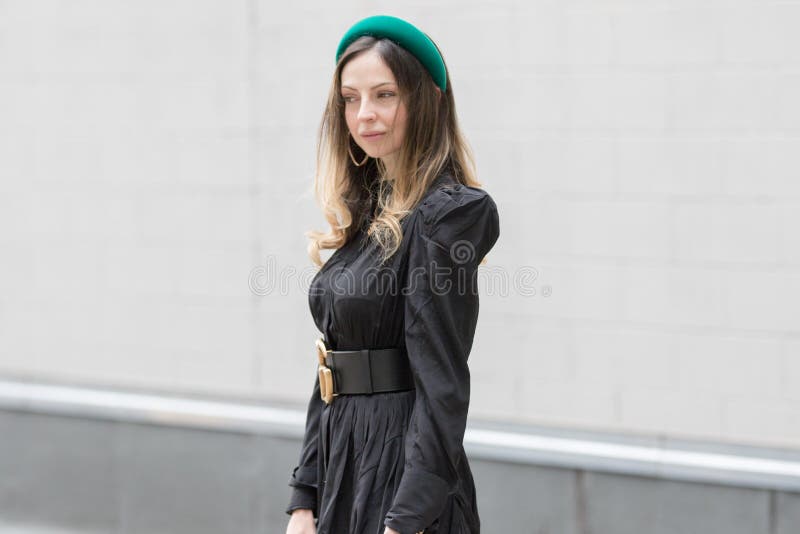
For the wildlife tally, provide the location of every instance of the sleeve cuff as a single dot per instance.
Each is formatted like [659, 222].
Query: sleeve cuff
[419, 500]
[303, 497]
[304, 489]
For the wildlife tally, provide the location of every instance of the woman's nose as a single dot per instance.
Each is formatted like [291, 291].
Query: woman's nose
[366, 112]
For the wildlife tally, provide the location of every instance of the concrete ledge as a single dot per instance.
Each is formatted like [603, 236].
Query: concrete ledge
[733, 465]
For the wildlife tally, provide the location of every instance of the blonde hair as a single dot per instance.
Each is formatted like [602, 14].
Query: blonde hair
[433, 144]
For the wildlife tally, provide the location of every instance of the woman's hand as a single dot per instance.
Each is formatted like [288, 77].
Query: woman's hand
[390, 530]
[301, 522]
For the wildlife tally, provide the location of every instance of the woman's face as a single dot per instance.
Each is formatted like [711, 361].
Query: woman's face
[373, 106]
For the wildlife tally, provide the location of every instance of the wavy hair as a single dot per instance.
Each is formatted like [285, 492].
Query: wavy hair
[433, 144]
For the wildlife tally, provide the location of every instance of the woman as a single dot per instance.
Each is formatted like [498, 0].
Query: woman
[383, 450]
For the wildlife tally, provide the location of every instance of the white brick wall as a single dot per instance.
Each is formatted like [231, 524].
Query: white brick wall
[643, 156]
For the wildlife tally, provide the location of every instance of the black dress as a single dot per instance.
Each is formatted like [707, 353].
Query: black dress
[397, 459]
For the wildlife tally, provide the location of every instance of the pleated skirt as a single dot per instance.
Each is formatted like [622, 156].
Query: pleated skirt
[361, 446]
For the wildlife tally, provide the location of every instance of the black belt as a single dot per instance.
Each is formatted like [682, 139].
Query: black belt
[363, 371]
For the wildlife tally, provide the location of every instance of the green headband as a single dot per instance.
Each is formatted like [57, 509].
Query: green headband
[404, 34]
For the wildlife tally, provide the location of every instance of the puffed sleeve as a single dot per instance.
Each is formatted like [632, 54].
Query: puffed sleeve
[459, 226]
[303, 479]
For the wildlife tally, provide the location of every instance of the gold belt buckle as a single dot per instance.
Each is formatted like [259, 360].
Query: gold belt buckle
[325, 374]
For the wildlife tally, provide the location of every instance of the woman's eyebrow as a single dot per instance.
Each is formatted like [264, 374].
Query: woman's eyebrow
[373, 87]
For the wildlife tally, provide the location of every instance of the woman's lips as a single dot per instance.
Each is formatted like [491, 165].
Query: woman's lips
[372, 137]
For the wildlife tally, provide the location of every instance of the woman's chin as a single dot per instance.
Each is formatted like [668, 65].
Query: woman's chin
[375, 155]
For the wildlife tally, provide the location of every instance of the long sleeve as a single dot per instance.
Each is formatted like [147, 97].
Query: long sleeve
[459, 227]
[303, 479]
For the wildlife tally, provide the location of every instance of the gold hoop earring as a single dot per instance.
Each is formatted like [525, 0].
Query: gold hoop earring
[349, 151]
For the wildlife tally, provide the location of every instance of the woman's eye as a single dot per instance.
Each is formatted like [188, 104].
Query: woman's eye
[349, 98]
